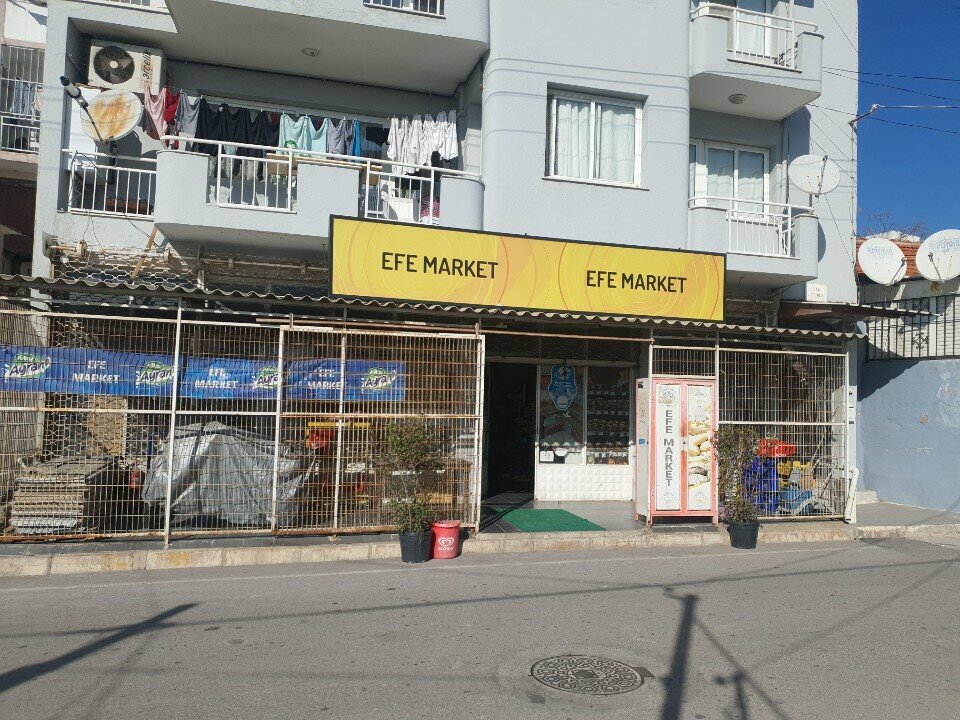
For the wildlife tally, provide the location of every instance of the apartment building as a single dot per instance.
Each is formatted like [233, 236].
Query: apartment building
[561, 233]
[22, 36]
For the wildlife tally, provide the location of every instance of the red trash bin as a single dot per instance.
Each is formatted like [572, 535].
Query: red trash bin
[446, 539]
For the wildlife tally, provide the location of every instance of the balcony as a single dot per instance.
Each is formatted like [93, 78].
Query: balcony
[110, 185]
[21, 70]
[245, 198]
[158, 5]
[753, 64]
[418, 45]
[767, 244]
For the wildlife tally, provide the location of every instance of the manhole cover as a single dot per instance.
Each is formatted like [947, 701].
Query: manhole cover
[589, 675]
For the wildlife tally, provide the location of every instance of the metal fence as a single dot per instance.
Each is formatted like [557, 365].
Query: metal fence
[791, 404]
[932, 335]
[175, 426]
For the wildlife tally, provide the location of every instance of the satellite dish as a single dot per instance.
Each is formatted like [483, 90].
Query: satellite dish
[882, 261]
[938, 257]
[814, 174]
[115, 112]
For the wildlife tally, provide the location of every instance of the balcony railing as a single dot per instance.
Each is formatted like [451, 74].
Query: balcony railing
[19, 134]
[21, 69]
[112, 185]
[759, 38]
[434, 8]
[257, 177]
[159, 5]
[757, 228]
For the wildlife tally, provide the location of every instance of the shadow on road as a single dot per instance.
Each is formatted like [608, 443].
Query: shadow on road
[26, 673]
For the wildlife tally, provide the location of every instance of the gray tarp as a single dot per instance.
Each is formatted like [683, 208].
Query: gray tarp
[223, 472]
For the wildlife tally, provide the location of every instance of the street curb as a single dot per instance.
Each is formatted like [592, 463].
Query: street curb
[484, 544]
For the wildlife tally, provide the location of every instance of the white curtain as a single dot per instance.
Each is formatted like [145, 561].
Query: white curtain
[573, 139]
[616, 143]
[750, 172]
[720, 175]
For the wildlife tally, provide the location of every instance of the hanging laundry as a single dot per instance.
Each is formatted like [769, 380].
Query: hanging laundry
[185, 119]
[451, 141]
[356, 147]
[411, 155]
[154, 106]
[265, 131]
[395, 141]
[170, 109]
[24, 98]
[378, 135]
[295, 133]
[318, 138]
[439, 131]
[426, 140]
[209, 127]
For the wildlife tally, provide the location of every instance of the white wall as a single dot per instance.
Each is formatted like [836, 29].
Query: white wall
[24, 23]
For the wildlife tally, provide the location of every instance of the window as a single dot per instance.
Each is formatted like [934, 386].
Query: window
[595, 139]
[730, 176]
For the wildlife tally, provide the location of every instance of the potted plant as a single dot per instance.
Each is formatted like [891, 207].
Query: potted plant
[743, 525]
[409, 455]
[736, 447]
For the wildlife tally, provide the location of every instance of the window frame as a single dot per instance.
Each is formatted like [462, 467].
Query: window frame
[596, 101]
[702, 171]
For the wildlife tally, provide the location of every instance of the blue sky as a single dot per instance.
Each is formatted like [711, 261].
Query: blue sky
[911, 173]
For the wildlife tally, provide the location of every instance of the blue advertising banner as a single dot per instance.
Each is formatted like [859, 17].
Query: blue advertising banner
[84, 372]
[364, 379]
[226, 379]
[104, 372]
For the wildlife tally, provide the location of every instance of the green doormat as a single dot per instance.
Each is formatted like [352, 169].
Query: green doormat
[548, 520]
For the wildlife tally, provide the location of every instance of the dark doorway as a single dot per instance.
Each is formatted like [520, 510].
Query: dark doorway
[510, 409]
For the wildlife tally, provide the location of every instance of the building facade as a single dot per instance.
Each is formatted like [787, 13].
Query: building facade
[638, 126]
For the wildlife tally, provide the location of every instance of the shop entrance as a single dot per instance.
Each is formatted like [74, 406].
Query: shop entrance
[510, 410]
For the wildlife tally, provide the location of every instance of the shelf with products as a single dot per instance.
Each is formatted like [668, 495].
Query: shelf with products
[608, 416]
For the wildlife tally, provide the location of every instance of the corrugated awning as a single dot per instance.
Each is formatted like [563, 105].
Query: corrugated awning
[251, 296]
[843, 311]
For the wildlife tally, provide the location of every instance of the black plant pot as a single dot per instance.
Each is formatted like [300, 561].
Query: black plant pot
[415, 547]
[744, 535]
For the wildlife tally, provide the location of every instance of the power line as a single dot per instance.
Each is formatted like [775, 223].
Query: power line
[893, 75]
[894, 87]
[919, 127]
[842, 29]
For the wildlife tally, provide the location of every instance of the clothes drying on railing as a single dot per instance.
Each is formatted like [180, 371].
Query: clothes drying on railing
[414, 140]
[24, 98]
[160, 110]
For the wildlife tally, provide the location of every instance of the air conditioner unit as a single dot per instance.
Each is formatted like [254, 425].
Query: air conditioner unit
[116, 66]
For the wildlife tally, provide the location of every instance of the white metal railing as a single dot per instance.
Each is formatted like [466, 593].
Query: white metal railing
[760, 38]
[434, 8]
[258, 177]
[114, 185]
[757, 228]
[160, 5]
[19, 134]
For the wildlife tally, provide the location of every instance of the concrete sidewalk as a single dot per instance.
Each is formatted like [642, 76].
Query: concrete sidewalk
[877, 520]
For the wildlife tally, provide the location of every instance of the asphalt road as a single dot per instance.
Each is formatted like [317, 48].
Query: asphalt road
[854, 630]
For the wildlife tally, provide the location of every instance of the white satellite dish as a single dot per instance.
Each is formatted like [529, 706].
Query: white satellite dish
[882, 261]
[814, 174]
[938, 257]
[115, 112]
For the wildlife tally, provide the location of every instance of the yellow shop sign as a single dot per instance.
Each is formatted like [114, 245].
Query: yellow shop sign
[398, 261]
